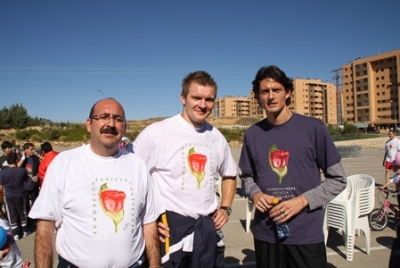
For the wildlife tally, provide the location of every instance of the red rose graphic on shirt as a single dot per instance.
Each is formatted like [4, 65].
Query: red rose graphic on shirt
[197, 163]
[112, 203]
[278, 160]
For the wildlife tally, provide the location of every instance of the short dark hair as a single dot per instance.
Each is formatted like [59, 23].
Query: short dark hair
[199, 77]
[28, 145]
[12, 158]
[46, 147]
[6, 144]
[275, 73]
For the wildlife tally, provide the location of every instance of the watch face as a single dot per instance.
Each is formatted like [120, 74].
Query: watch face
[227, 209]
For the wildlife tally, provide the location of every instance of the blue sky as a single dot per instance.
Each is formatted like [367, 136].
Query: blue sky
[59, 57]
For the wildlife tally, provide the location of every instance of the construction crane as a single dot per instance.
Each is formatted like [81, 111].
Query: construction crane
[338, 82]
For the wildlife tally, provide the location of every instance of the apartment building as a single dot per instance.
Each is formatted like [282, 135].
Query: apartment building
[314, 98]
[311, 97]
[230, 106]
[370, 91]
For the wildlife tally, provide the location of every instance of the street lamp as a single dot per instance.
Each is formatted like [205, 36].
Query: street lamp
[101, 91]
[395, 116]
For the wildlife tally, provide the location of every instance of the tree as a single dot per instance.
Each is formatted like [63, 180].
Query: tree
[14, 117]
[19, 116]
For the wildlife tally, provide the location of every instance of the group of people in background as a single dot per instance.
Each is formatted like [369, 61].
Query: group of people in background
[21, 177]
[154, 204]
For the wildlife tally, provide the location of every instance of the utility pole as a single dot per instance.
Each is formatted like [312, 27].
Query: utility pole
[338, 82]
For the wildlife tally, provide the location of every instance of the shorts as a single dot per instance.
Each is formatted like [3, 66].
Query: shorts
[388, 165]
[290, 256]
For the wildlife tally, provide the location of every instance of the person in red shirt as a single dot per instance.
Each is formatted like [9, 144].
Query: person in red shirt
[49, 155]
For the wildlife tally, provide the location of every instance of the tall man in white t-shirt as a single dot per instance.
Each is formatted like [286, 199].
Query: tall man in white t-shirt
[185, 155]
[102, 200]
[392, 146]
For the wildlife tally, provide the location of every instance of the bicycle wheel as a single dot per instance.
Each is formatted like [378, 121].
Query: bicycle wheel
[375, 222]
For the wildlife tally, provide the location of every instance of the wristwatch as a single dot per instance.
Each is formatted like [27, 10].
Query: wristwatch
[227, 209]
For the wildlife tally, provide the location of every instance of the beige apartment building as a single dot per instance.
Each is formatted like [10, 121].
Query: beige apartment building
[311, 97]
[314, 98]
[230, 106]
[370, 90]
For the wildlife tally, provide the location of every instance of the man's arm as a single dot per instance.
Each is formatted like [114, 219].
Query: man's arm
[44, 244]
[333, 185]
[384, 159]
[150, 234]
[228, 186]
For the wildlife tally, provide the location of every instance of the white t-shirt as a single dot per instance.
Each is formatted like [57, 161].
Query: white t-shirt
[99, 205]
[392, 147]
[184, 162]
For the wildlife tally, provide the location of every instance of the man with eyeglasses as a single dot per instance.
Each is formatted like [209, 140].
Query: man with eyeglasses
[185, 155]
[392, 146]
[101, 199]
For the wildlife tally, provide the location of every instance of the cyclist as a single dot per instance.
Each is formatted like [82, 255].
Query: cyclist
[395, 178]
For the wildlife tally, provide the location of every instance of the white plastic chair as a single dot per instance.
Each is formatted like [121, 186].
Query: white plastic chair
[349, 213]
[218, 183]
[364, 203]
[249, 211]
[336, 210]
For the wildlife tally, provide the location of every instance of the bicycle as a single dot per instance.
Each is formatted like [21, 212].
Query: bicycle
[378, 218]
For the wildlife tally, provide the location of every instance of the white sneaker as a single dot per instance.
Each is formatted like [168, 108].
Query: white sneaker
[25, 234]
[16, 237]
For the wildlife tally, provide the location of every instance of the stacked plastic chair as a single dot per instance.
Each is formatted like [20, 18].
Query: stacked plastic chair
[218, 183]
[335, 212]
[364, 204]
[249, 211]
[349, 211]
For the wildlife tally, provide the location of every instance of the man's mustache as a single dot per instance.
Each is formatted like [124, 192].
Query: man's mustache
[109, 130]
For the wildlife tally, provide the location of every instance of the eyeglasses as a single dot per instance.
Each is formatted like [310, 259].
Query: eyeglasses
[104, 118]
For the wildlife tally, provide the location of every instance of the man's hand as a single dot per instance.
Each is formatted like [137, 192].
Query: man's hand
[35, 178]
[263, 202]
[285, 210]
[220, 217]
[163, 231]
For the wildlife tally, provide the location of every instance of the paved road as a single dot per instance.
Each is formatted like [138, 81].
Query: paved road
[239, 244]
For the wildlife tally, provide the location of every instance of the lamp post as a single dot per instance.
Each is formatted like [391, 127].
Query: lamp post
[101, 91]
[395, 116]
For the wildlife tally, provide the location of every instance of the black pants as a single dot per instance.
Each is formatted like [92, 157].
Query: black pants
[290, 256]
[30, 197]
[394, 261]
[16, 213]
